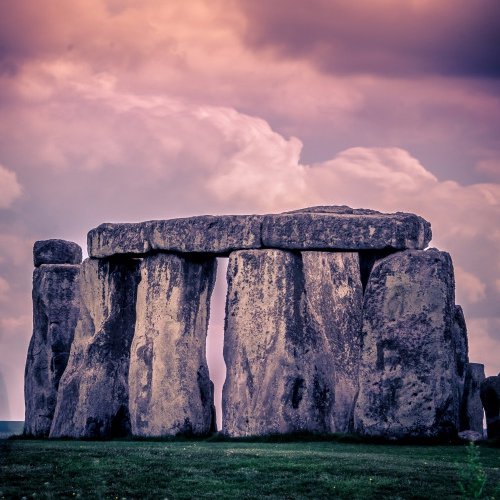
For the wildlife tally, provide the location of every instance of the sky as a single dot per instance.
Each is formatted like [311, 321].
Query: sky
[129, 110]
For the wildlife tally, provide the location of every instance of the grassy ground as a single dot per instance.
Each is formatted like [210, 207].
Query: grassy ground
[211, 469]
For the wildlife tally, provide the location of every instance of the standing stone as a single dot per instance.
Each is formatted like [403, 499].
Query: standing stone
[490, 397]
[408, 382]
[333, 309]
[93, 392]
[461, 349]
[472, 409]
[55, 313]
[170, 388]
[290, 320]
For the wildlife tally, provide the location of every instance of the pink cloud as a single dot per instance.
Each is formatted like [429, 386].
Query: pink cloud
[124, 110]
[10, 189]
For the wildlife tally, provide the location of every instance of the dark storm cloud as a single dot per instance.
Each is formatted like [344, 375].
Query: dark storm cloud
[387, 37]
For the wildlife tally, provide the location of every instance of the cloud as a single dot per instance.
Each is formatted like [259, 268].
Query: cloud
[4, 288]
[10, 189]
[387, 37]
[469, 285]
[122, 110]
[490, 167]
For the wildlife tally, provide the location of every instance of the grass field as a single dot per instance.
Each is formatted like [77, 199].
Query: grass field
[211, 469]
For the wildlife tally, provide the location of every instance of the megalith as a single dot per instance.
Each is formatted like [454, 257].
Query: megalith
[333, 301]
[472, 414]
[461, 349]
[55, 314]
[490, 397]
[93, 392]
[170, 389]
[283, 345]
[408, 380]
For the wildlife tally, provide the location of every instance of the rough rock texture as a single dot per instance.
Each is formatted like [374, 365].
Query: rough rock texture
[56, 252]
[345, 231]
[315, 228]
[93, 393]
[284, 346]
[333, 302]
[170, 389]
[55, 313]
[204, 234]
[490, 397]
[408, 381]
[472, 414]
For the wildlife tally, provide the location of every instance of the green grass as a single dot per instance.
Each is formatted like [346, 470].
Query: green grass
[227, 469]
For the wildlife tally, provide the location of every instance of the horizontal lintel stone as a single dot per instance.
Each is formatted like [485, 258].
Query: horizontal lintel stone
[316, 228]
[345, 231]
[56, 252]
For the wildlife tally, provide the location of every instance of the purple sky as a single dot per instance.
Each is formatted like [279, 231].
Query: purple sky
[127, 110]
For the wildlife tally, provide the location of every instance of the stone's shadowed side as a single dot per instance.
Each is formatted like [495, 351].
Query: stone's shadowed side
[56, 252]
[55, 313]
[490, 397]
[472, 413]
[170, 389]
[461, 349]
[408, 372]
[93, 392]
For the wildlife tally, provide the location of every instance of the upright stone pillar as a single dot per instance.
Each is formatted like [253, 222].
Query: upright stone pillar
[55, 313]
[490, 397]
[408, 381]
[170, 388]
[472, 409]
[333, 297]
[285, 342]
[93, 392]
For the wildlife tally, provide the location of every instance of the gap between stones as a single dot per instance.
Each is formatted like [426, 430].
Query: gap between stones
[215, 336]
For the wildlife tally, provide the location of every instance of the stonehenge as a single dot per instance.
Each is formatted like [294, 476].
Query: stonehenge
[337, 320]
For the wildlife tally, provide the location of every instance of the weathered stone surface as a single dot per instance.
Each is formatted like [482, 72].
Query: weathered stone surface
[316, 228]
[408, 381]
[55, 313]
[56, 252]
[170, 389]
[265, 345]
[490, 397]
[92, 399]
[204, 234]
[472, 409]
[285, 347]
[461, 349]
[333, 301]
[345, 231]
